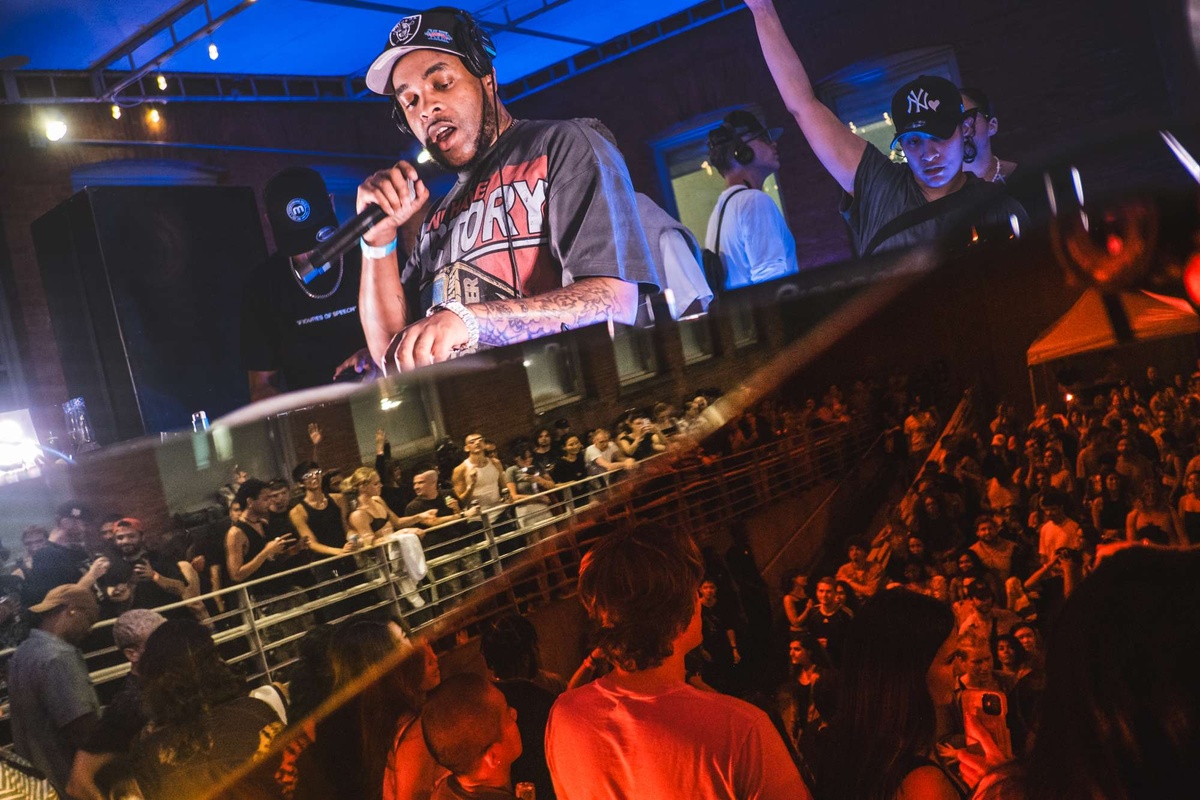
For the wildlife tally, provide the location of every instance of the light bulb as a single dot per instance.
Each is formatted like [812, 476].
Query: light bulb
[154, 116]
[423, 157]
[116, 111]
[212, 51]
[162, 82]
[56, 129]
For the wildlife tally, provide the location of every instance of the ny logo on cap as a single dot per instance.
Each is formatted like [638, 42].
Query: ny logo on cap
[918, 101]
[405, 30]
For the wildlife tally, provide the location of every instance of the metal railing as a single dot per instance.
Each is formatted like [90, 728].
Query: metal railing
[497, 560]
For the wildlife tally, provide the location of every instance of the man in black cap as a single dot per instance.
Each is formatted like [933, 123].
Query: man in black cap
[889, 205]
[746, 228]
[297, 327]
[539, 235]
[63, 560]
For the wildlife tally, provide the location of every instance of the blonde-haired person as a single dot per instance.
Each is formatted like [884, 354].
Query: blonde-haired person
[373, 521]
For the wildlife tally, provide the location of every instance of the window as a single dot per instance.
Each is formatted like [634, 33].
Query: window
[552, 369]
[690, 184]
[861, 94]
[696, 336]
[745, 328]
[405, 412]
[634, 349]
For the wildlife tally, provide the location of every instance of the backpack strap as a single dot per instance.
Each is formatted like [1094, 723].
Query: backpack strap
[721, 217]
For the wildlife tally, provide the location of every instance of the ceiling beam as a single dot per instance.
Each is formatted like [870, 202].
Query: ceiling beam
[144, 34]
[489, 26]
[111, 92]
[40, 87]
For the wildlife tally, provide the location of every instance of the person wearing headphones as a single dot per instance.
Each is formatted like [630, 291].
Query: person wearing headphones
[888, 205]
[539, 235]
[746, 229]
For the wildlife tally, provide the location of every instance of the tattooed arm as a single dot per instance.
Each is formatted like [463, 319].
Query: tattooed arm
[585, 302]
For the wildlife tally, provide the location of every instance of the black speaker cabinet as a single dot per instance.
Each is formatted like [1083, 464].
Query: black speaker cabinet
[144, 288]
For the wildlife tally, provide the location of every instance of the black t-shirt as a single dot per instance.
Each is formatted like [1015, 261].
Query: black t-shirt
[147, 594]
[122, 721]
[434, 537]
[883, 190]
[567, 471]
[302, 336]
[244, 728]
[532, 704]
[53, 565]
[832, 629]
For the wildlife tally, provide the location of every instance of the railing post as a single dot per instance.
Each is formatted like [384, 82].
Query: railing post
[387, 576]
[490, 535]
[685, 510]
[248, 615]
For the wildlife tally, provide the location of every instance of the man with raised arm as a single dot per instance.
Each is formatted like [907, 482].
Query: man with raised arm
[539, 235]
[889, 205]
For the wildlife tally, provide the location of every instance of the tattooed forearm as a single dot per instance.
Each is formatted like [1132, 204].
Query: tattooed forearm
[585, 302]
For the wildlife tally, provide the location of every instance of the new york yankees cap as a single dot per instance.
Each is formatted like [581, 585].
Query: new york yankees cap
[930, 105]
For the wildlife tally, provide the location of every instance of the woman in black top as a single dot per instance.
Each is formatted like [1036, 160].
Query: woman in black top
[1111, 508]
[895, 688]
[571, 467]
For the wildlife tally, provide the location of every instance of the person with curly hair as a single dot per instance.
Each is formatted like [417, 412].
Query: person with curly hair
[204, 726]
[642, 730]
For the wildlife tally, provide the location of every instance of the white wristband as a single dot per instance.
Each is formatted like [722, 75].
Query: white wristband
[370, 251]
[468, 318]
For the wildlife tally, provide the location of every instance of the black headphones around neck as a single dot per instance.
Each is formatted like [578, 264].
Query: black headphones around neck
[475, 48]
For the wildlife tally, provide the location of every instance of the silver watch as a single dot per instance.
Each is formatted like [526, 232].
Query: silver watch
[469, 319]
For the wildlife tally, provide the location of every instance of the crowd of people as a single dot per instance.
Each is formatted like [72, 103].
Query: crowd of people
[292, 542]
[1003, 523]
[923, 666]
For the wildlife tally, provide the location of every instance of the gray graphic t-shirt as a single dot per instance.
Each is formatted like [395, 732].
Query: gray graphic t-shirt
[560, 193]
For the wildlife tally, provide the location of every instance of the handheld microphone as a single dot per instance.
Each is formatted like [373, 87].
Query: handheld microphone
[316, 263]
[312, 265]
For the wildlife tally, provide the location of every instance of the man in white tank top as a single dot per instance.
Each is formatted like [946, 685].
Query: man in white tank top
[478, 480]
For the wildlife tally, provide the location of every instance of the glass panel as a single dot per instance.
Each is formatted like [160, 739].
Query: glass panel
[402, 411]
[696, 336]
[745, 329]
[553, 374]
[634, 349]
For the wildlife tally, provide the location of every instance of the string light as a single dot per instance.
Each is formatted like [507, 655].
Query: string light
[162, 82]
[212, 51]
[153, 116]
[116, 111]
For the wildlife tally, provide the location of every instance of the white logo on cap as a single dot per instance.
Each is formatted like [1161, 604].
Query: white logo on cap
[298, 209]
[918, 101]
[405, 30]
[325, 233]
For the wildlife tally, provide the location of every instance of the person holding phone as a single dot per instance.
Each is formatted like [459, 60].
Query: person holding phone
[248, 552]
